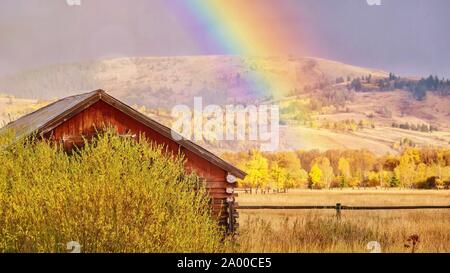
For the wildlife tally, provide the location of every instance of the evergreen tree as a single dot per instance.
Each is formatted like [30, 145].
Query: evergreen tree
[394, 182]
[420, 92]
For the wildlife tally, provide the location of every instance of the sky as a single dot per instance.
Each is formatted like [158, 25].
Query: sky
[408, 37]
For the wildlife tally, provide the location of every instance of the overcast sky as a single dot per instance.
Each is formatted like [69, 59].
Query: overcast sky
[409, 37]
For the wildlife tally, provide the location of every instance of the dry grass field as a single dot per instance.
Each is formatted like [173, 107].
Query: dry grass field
[12, 108]
[320, 231]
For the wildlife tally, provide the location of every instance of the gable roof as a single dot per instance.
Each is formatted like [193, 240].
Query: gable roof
[51, 116]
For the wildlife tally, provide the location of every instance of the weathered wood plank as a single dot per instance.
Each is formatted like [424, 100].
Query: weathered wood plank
[216, 185]
[222, 195]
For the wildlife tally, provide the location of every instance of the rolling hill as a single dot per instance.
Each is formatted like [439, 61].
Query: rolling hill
[151, 83]
[168, 80]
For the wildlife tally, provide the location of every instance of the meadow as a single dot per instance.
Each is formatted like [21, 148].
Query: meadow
[320, 231]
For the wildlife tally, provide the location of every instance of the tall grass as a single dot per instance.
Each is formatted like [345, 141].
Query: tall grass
[319, 233]
[114, 195]
[309, 234]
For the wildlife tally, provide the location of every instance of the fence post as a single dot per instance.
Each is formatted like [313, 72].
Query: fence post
[338, 210]
[230, 217]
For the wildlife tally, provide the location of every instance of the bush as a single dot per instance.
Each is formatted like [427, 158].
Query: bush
[431, 183]
[447, 184]
[114, 195]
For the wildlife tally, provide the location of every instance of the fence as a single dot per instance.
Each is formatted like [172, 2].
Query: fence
[339, 207]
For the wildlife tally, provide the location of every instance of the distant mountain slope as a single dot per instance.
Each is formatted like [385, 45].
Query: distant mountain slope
[12, 108]
[154, 84]
[156, 81]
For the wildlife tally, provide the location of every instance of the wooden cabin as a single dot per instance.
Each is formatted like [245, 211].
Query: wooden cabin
[70, 119]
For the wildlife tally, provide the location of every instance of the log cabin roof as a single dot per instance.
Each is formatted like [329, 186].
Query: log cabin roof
[49, 117]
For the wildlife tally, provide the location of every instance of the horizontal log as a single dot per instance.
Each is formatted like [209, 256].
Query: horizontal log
[216, 185]
[217, 201]
[222, 195]
[219, 206]
[220, 216]
[212, 191]
[221, 191]
[217, 211]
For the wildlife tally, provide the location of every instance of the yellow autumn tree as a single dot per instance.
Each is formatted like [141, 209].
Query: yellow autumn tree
[257, 169]
[344, 172]
[405, 171]
[296, 176]
[315, 177]
[279, 177]
[327, 170]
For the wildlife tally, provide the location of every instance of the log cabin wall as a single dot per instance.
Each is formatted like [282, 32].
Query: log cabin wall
[101, 113]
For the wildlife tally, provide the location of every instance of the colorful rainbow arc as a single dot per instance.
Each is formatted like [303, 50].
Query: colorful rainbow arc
[237, 27]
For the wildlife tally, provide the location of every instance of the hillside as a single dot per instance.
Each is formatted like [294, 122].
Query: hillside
[169, 80]
[12, 108]
[312, 97]
[380, 140]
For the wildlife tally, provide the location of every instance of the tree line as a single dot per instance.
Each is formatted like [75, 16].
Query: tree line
[280, 171]
[418, 88]
[415, 127]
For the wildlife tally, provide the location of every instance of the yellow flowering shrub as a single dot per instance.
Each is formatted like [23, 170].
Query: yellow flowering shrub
[113, 195]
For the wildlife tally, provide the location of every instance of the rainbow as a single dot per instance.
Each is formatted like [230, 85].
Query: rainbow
[238, 27]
